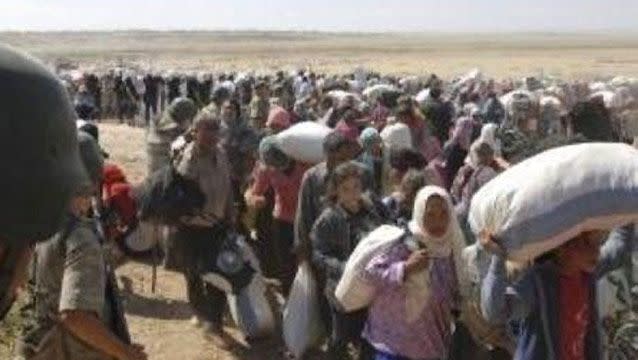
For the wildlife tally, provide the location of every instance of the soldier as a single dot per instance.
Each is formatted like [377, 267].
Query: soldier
[38, 119]
[220, 95]
[173, 84]
[259, 106]
[151, 83]
[76, 311]
[175, 120]
[240, 143]
[93, 86]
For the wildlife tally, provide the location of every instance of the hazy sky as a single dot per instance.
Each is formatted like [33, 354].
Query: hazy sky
[327, 15]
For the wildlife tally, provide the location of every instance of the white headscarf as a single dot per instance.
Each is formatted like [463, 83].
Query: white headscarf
[450, 244]
[488, 136]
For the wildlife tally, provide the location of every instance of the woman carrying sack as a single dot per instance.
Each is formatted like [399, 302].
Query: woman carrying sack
[417, 284]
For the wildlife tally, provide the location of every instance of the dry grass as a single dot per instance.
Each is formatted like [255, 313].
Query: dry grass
[499, 55]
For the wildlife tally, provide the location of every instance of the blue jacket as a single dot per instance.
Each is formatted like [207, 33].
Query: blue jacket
[533, 300]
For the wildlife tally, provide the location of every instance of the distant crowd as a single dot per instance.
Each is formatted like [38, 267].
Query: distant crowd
[411, 152]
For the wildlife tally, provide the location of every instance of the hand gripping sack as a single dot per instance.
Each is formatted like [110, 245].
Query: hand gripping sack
[302, 325]
[354, 291]
[544, 201]
[304, 141]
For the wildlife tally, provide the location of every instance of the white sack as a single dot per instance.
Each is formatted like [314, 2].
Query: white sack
[304, 141]
[542, 202]
[396, 135]
[354, 291]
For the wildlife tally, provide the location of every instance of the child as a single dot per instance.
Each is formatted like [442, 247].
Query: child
[335, 234]
[401, 203]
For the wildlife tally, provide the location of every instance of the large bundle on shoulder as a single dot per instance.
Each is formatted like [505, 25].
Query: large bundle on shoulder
[304, 141]
[375, 92]
[544, 201]
[354, 291]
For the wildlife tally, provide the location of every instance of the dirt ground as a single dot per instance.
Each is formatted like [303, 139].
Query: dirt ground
[565, 55]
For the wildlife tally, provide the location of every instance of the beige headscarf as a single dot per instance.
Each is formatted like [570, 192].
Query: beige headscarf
[450, 244]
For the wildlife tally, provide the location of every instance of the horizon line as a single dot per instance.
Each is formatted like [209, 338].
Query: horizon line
[607, 31]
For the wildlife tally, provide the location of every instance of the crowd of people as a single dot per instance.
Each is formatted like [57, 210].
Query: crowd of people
[408, 151]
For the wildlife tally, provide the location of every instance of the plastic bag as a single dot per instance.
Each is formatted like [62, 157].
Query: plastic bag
[301, 318]
[251, 310]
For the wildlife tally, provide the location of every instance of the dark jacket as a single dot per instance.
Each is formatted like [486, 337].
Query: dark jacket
[533, 300]
[312, 201]
[334, 236]
[440, 114]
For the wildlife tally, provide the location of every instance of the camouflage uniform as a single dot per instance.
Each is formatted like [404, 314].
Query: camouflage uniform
[259, 108]
[69, 273]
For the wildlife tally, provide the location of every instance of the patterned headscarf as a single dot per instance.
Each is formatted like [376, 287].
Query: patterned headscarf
[369, 136]
[462, 134]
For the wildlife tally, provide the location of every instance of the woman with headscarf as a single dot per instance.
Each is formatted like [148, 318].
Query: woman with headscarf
[457, 148]
[373, 155]
[422, 139]
[488, 135]
[277, 171]
[471, 177]
[417, 284]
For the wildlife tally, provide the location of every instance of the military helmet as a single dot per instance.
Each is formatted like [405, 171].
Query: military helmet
[38, 149]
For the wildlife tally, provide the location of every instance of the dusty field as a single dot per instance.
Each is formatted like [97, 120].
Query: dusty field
[499, 55]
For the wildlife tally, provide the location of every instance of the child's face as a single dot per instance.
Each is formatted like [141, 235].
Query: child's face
[349, 194]
[582, 252]
[436, 218]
